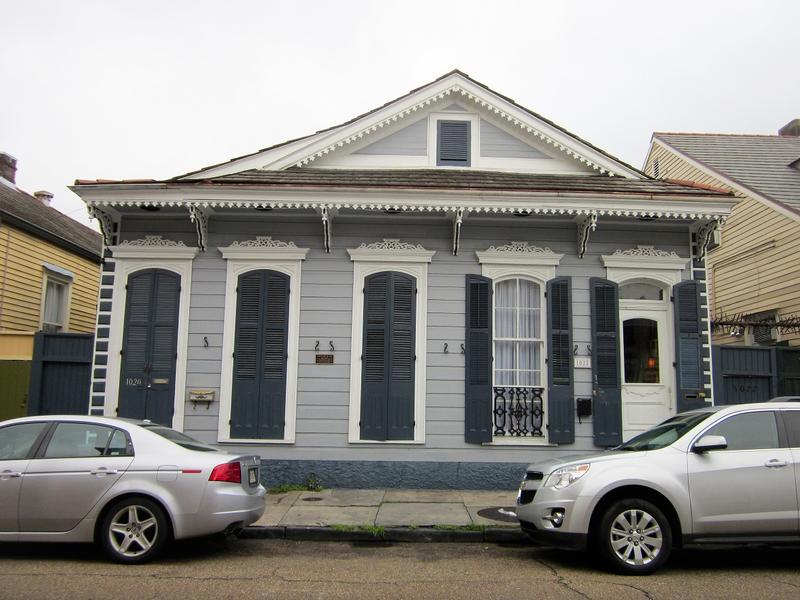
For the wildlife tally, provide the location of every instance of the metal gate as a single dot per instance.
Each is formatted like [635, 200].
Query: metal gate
[754, 373]
[60, 374]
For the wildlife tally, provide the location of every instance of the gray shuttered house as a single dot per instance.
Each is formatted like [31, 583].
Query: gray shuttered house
[431, 295]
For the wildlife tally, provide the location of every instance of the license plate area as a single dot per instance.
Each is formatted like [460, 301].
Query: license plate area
[252, 476]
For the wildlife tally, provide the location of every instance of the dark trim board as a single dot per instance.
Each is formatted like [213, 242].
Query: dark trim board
[394, 474]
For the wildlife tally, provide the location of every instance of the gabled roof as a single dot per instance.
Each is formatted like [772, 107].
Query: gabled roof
[755, 165]
[29, 214]
[455, 84]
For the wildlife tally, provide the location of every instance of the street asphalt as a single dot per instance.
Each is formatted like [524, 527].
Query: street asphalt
[227, 568]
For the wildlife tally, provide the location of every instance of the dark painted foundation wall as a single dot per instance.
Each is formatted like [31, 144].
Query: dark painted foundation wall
[394, 474]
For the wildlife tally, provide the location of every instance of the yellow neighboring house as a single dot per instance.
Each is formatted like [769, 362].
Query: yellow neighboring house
[49, 280]
[755, 270]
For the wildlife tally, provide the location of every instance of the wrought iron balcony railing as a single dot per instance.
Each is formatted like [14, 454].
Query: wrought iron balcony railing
[518, 411]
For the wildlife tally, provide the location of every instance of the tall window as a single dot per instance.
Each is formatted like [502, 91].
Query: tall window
[55, 309]
[518, 339]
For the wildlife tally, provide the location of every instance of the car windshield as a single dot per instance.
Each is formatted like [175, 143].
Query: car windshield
[666, 433]
[183, 440]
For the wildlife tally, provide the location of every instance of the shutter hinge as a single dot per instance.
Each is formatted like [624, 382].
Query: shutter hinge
[672, 298]
[415, 357]
[237, 289]
[126, 287]
[230, 422]
[413, 423]
[545, 294]
[120, 352]
[363, 290]
[176, 356]
[359, 423]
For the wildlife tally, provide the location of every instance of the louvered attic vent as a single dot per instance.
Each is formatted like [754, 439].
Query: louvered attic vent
[452, 146]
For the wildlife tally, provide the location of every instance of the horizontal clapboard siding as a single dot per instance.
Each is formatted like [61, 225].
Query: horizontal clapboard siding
[21, 277]
[323, 390]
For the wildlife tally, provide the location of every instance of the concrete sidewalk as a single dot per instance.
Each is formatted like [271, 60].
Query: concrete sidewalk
[390, 515]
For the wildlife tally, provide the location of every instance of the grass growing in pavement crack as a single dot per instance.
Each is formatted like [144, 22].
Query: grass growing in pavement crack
[470, 527]
[375, 530]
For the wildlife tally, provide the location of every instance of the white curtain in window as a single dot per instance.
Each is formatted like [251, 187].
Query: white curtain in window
[54, 303]
[517, 324]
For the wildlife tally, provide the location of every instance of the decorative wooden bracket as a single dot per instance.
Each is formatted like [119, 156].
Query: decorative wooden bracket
[458, 220]
[327, 228]
[704, 234]
[107, 219]
[199, 216]
[586, 225]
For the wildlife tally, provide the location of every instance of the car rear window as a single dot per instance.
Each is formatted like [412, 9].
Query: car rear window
[183, 440]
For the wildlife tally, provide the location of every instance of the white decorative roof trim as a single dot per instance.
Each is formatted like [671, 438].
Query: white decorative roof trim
[519, 253]
[644, 257]
[264, 246]
[391, 250]
[153, 246]
[455, 89]
[429, 208]
[153, 240]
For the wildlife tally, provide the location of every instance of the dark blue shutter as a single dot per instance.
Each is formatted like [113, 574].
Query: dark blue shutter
[606, 383]
[560, 405]
[388, 358]
[150, 342]
[453, 143]
[258, 398]
[402, 311]
[478, 360]
[688, 345]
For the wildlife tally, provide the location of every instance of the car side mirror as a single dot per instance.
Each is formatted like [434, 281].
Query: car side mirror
[710, 442]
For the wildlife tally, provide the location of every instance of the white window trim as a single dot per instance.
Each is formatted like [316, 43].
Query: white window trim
[62, 277]
[242, 259]
[130, 259]
[390, 255]
[474, 137]
[644, 262]
[520, 260]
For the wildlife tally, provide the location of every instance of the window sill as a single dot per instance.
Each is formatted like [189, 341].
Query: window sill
[499, 441]
[388, 442]
[252, 442]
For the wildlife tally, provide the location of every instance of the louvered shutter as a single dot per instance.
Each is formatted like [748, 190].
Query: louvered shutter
[560, 404]
[606, 383]
[400, 409]
[478, 360]
[135, 346]
[453, 143]
[275, 324]
[688, 345]
[375, 358]
[259, 367]
[150, 341]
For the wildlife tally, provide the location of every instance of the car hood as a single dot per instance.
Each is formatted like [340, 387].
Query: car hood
[550, 465]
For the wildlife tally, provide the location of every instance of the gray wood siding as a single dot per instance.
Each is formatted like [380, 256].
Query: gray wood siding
[409, 141]
[496, 143]
[326, 314]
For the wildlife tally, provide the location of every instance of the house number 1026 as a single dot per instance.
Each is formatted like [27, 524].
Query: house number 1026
[129, 381]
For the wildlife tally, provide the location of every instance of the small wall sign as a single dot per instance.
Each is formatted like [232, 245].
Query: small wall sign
[324, 359]
[583, 362]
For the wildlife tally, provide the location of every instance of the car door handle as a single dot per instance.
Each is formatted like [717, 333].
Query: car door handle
[9, 474]
[775, 463]
[104, 471]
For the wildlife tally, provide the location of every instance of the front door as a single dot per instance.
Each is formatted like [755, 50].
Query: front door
[647, 383]
[149, 347]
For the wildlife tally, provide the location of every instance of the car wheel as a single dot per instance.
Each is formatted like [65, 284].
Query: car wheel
[634, 537]
[134, 530]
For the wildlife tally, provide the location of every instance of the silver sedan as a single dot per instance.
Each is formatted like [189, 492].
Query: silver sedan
[131, 486]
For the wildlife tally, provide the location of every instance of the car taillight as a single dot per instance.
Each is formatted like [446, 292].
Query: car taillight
[230, 472]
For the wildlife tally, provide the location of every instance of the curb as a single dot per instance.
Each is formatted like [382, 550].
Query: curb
[492, 535]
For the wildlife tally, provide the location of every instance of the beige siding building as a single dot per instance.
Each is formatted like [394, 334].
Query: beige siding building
[755, 271]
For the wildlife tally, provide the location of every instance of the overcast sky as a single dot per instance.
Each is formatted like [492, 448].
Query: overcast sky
[111, 89]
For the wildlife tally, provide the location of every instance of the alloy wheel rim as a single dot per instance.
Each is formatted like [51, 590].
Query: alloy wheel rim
[636, 537]
[133, 530]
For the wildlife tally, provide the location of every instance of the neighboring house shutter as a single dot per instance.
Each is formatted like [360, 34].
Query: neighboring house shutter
[453, 143]
[388, 359]
[688, 345]
[259, 368]
[150, 339]
[478, 361]
[560, 405]
[606, 387]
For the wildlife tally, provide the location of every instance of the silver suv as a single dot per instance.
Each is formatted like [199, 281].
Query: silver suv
[719, 474]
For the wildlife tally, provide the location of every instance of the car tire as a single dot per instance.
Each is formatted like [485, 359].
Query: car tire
[633, 537]
[134, 530]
